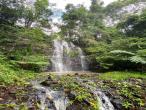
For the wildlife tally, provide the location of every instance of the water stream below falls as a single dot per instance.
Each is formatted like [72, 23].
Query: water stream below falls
[103, 100]
[57, 100]
[50, 99]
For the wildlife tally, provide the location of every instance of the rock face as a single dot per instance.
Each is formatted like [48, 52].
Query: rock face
[117, 104]
[131, 9]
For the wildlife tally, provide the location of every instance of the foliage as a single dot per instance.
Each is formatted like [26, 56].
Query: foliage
[16, 11]
[122, 75]
[81, 23]
[10, 11]
[38, 13]
[81, 93]
[10, 75]
[138, 59]
[135, 26]
[106, 48]
[18, 42]
[122, 52]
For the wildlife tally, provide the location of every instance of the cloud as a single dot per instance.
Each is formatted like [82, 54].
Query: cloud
[60, 4]
[106, 2]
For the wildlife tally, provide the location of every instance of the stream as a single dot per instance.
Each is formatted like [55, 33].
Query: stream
[103, 100]
[51, 99]
[64, 60]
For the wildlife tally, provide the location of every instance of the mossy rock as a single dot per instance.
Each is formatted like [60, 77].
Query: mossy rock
[34, 66]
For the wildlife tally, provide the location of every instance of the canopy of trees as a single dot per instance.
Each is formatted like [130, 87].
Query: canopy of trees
[116, 48]
[13, 11]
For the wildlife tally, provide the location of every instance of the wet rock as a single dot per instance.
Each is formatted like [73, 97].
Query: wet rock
[71, 96]
[78, 106]
[43, 91]
[67, 91]
[54, 82]
[46, 83]
[49, 78]
[87, 102]
[49, 97]
[51, 105]
[1, 99]
[76, 74]
[68, 75]
[84, 81]
[32, 108]
[117, 103]
[12, 92]
[110, 93]
[106, 81]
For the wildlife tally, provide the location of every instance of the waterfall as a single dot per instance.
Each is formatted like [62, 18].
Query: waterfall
[82, 57]
[67, 57]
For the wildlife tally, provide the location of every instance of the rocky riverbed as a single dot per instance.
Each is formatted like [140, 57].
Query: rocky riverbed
[75, 92]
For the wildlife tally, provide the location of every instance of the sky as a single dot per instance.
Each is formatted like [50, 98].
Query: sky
[61, 4]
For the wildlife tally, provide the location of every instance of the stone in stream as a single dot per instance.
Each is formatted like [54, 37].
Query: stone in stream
[1, 99]
[78, 106]
[45, 83]
[71, 95]
[12, 92]
[49, 78]
[117, 103]
[67, 91]
[48, 83]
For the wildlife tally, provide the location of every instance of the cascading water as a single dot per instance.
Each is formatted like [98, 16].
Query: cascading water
[103, 100]
[67, 57]
[50, 99]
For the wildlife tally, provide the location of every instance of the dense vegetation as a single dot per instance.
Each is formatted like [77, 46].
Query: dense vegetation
[119, 51]
[121, 47]
[23, 47]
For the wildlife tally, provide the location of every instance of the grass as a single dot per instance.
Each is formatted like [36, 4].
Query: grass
[10, 74]
[35, 58]
[121, 75]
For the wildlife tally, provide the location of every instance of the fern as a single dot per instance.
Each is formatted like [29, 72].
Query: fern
[122, 52]
[137, 59]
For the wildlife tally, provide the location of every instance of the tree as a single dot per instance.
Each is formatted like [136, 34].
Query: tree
[135, 26]
[39, 13]
[80, 23]
[9, 11]
[74, 20]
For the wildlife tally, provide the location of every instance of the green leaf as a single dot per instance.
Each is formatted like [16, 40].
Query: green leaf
[137, 59]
